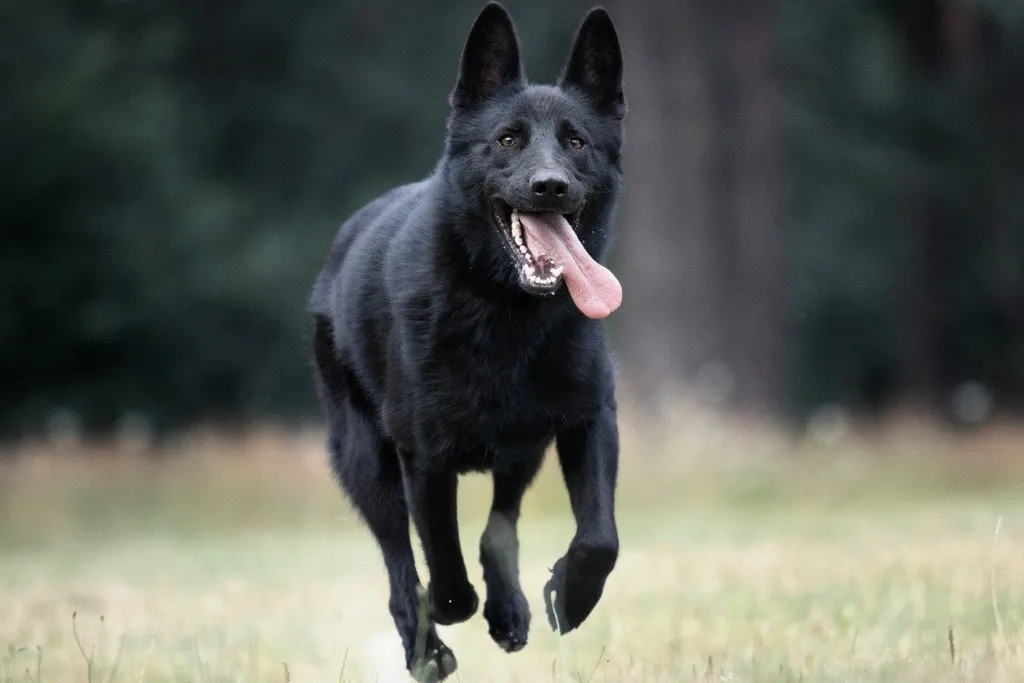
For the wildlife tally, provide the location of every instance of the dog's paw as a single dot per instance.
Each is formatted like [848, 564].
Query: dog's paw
[576, 583]
[453, 606]
[437, 664]
[554, 598]
[508, 620]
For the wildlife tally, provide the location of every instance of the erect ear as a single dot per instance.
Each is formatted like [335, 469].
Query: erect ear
[490, 58]
[595, 64]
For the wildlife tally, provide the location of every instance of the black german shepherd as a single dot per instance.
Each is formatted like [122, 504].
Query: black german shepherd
[445, 341]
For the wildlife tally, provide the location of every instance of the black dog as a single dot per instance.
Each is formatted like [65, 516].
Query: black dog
[445, 342]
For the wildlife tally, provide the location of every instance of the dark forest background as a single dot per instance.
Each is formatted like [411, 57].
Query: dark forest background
[825, 200]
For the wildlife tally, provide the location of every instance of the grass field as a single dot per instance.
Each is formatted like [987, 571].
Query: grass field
[746, 556]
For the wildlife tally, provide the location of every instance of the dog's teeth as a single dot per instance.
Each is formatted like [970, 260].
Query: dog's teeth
[517, 229]
[556, 271]
[522, 248]
[518, 239]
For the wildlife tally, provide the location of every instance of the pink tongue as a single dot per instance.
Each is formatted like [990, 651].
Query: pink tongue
[593, 288]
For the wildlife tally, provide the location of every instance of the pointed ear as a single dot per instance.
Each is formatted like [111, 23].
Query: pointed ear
[490, 58]
[595, 64]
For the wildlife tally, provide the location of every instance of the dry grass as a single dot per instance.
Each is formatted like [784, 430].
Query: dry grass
[747, 556]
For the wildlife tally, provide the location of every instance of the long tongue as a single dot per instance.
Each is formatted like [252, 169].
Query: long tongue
[593, 288]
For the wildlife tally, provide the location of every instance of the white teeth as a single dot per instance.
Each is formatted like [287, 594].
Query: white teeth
[517, 230]
[556, 271]
[519, 238]
[531, 275]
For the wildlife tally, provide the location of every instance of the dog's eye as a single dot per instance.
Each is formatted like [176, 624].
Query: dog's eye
[576, 143]
[507, 140]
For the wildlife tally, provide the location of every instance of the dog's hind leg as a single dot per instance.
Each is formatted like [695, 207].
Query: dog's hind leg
[369, 471]
[507, 611]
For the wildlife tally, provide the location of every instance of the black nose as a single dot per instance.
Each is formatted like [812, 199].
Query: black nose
[549, 185]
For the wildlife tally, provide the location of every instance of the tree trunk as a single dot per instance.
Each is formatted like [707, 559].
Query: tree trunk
[671, 320]
[700, 231]
[757, 283]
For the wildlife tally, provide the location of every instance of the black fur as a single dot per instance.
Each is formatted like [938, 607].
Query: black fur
[432, 358]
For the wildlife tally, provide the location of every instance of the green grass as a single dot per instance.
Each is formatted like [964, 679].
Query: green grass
[745, 557]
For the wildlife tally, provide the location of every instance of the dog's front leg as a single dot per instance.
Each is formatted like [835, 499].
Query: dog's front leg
[431, 497]
[589, 457]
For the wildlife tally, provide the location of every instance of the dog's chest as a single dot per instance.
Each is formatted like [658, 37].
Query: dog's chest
[511, 395]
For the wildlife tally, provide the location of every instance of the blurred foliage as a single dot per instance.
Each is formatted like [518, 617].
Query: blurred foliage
[906, 221]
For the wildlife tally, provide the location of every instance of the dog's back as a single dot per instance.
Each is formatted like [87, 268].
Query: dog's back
[379, 217]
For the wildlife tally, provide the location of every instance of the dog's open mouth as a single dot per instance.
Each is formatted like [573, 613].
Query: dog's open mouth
[538, 270]
[546, 251]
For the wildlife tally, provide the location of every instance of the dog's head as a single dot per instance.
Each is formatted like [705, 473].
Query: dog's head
[539, 164]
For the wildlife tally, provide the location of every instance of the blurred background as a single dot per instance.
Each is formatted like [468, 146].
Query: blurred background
[823, 213]
[821, 245]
